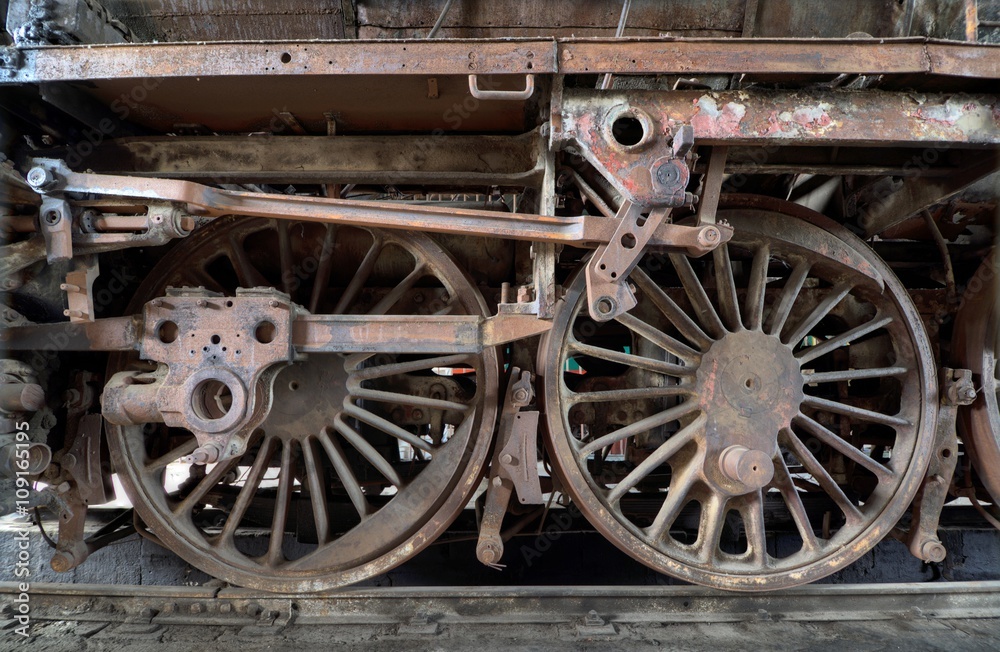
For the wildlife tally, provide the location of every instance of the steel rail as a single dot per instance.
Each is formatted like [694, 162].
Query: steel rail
[505, 605]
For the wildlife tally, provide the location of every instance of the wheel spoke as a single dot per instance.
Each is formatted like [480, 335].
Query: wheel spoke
[404, 286]
[628, 359]
[757, 288]
[317, 491]
[409, 399]
[852, 374]
[175, 454]
[409, 367]
[650, 422]
[696, 294]
[752, 512]
[343, 470]
[629, 394]
[658, 337]
[822, 477]
[665, 451]
[321, 282]
[387, 427]
[211, 479]
[782, 481]
[818, 313]
[249, 489]
[677, 493]
[829, 438]
[281, 503]
[684, 324]
[367, 451]
[834, 343]
[360, 277]
[861, 414]
[726, 286]
[713, 517]
[248, 275]
[789, 294]
[285, 257]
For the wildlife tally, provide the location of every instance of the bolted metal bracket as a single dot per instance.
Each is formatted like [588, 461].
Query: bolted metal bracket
[514, 468]
[219, 356]
[922, 538]
[608, 295]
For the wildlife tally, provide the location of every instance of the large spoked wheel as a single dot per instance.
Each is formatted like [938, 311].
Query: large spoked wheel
[364, 459]
[977, 342]
[762, 418]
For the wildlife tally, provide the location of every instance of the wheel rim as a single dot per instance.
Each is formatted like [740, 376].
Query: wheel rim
[371, 456]
[977, 341]
[678, 445]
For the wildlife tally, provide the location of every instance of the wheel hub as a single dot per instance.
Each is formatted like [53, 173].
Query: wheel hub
[750, 387]
[307, 395]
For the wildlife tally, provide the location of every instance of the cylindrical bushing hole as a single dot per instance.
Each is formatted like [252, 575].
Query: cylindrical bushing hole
[627, 130]
[265, 332]
[216, 339]
[629, 241]
[167, 332]
[211, 399]
[286, 58]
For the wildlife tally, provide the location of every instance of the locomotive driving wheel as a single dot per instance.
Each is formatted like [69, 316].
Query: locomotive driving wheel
[364, 459]
[977, 343]
[760, 419]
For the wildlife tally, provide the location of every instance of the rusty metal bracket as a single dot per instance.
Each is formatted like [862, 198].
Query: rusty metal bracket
[83, 461]
[56, 222]
[608, 295]
[514, 468]
[922, 538]
[79, 289]
[645, 160]
[221, 355]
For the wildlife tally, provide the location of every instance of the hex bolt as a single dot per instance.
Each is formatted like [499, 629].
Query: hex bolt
[507, 458]
[39, 178]
[520, 395]
[969, 393]
[197, 607]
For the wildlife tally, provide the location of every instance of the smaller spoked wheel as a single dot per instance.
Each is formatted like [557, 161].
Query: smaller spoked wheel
[977, 344]
[760, 419]
[363, 459]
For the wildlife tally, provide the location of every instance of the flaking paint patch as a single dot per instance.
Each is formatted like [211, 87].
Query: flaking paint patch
[710, 119]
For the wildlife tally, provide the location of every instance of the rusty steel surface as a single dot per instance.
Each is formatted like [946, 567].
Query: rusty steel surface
[455, 160]
[793, 117]
[505, 57]
[753, 407]
[360, 404]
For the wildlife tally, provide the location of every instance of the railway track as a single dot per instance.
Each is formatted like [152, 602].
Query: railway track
[95, 616]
